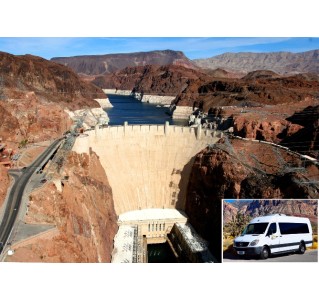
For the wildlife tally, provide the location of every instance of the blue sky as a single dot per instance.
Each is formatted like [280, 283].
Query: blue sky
[193, 47]
[234, 200]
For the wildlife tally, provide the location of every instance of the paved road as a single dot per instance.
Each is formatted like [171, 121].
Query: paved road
[17, 190]
[309, 256]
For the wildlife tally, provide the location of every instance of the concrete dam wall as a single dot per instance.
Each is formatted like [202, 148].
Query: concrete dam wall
[148, 166]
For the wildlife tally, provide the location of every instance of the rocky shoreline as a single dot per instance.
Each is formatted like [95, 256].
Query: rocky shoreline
[154, 99]
[104, 103]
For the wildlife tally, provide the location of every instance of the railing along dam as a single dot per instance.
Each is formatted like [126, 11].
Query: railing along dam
[148, 166]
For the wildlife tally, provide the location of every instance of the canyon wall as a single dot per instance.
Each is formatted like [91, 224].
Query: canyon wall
[154, 80]
[79, 204]
[34, 93]
[259, 88]
[299, 132]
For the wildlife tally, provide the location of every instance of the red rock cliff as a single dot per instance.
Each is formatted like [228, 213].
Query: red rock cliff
[255, 89]
[151, 79]
[82, 212]
[4, 183]
[34, 93]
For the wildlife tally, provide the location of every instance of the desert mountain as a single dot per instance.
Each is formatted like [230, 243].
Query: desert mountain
[256, 88]
[220, 73]
[48, 80]
[34, 93]
[109, 63]
[229, 210]
[307, 208]
[279, 62]
[298, 208]
[151, 79]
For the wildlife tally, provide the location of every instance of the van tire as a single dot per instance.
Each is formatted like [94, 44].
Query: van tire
[265, 253]
[302, 248]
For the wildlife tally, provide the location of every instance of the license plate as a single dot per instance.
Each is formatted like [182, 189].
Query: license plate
[241, 252]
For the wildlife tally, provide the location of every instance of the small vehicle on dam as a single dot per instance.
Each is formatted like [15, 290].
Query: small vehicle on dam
[274, 234]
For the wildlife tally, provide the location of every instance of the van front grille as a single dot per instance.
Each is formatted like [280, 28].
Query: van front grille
[241, 244]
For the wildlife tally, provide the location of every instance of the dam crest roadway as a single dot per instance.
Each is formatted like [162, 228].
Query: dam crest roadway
[148, 167]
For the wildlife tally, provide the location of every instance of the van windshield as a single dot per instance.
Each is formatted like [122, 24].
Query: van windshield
[256, 228]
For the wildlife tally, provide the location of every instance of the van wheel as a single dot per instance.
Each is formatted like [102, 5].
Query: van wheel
[302, 248]
[264, 254]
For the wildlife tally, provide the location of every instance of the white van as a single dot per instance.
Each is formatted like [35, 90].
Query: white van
[274, 234]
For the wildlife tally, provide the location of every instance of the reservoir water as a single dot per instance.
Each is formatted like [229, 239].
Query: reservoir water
[126, 108]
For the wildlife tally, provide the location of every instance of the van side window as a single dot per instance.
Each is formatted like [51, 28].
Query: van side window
[272, 229]
[293, 228]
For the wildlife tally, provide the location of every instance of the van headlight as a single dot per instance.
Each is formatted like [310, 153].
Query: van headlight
[254, 243]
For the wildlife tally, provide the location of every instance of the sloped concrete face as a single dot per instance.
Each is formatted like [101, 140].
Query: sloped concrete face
[148, 166]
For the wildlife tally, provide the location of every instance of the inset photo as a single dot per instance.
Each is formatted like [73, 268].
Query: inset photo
[270, 230]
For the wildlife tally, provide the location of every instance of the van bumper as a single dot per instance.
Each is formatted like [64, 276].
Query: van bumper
[252, 251]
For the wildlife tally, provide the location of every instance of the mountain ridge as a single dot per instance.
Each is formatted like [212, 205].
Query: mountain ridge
[256, 208]
[280, 62]
[109, 63]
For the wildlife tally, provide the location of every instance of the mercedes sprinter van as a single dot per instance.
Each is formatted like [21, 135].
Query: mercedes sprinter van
[274, 234]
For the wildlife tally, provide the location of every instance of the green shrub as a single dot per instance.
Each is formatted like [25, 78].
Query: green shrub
[23, 143]
[236, 226]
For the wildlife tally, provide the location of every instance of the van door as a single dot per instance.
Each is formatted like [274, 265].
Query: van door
[291, 234]
[272, 238]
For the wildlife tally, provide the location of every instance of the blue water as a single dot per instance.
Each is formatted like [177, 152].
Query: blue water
[126, 108]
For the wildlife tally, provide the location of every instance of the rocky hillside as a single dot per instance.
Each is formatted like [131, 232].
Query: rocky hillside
[151, 79]
[229, 210]
[279, 62]
[243, 170]
[255, 89]
[34, 93]
[306, 208]
[4, 184]
[298, 208]
[294, 126]
[82, 211]
[109, 63]
[221, 73]
[48, 80]
[305, 140]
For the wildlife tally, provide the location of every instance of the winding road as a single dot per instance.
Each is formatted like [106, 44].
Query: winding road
[21, 178]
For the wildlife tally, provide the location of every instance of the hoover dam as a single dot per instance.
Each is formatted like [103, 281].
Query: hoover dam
[148, 168]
